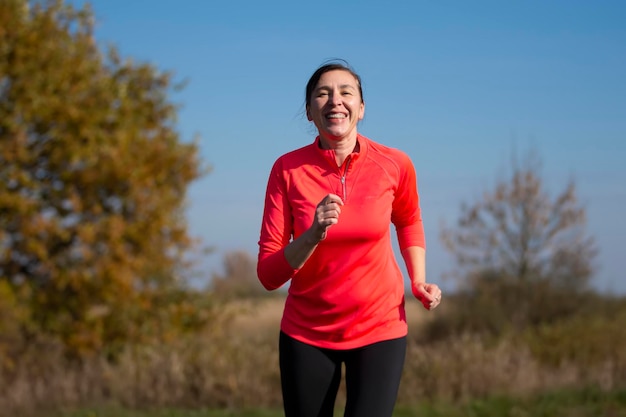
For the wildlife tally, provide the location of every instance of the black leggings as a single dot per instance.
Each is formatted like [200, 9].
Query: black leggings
[310, 378]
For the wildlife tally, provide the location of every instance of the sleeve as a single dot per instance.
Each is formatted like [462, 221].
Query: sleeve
[406, 213]
[273, 270]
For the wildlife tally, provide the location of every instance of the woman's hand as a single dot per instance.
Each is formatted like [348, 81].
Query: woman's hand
[298, 251]
[326, 214]
[428, 294]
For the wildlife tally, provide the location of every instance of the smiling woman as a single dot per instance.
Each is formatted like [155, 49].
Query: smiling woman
[334, 103]
[326, 230]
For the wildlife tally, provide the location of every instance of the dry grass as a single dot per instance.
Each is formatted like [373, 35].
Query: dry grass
[256, 316]
[234, 364]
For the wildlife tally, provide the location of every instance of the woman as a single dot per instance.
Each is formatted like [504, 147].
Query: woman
[325, 227]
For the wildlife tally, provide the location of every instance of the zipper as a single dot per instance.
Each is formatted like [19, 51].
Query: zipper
[343, 178]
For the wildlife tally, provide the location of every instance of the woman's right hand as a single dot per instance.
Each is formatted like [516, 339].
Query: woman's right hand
[326, 214]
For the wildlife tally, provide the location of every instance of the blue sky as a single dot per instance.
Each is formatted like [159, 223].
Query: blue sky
[458, 85]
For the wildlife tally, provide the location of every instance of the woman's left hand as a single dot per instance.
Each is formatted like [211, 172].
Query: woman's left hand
[428, 294]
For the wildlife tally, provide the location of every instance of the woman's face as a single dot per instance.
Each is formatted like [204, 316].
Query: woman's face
[336, 105]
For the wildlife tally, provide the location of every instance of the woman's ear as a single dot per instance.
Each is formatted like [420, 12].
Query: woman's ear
[308, 114]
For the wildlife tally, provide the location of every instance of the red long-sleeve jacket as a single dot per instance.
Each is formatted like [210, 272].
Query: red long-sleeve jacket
[350, 292]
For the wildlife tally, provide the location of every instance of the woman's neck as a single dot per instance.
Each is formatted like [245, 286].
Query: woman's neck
[342, 148]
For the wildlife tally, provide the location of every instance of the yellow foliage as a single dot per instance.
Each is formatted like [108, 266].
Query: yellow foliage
[93, 179]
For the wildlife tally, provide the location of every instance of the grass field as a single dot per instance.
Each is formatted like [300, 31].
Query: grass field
[231, 369]
[589, 403]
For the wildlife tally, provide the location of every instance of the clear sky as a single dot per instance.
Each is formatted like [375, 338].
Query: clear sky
[458, 85]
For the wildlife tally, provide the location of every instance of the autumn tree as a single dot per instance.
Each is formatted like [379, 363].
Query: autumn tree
[522, 250]
[239, 279]
[93, 179]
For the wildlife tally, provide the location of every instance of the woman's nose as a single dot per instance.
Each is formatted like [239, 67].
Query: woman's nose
[335, 98]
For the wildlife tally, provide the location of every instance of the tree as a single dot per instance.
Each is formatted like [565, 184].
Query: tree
[518, 245]
[93, 177]
[239, 279]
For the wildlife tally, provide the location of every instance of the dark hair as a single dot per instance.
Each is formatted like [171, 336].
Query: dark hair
[335, 64]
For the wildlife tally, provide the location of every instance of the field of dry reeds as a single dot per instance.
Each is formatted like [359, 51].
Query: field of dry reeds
[234, 364]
